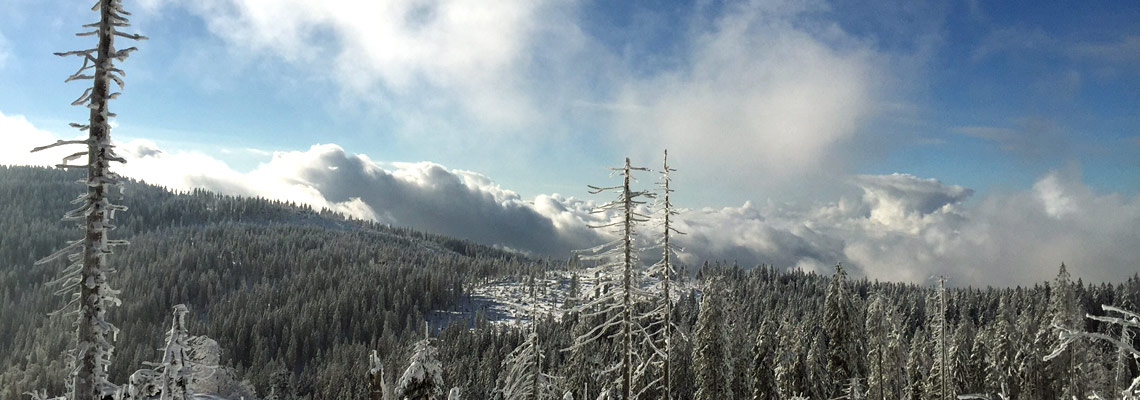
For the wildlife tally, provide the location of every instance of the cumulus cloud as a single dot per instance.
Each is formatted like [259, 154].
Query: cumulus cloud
[906, 228]
[422, 195]
[763, 94]
[901, 228]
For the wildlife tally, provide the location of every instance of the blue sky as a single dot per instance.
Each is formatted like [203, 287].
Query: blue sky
[779, 104]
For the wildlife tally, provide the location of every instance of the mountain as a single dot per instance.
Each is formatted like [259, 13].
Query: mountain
[297, 299]
[295, 296]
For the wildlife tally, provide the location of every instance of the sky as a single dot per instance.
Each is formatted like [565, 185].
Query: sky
[984, 141]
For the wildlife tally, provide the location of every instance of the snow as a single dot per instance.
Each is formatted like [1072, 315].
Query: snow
[507, 301]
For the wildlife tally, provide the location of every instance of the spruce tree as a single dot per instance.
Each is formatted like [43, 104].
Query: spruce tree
[1065, 313]
[917, 367]
[423, 379]
[763, 364]
[877, 328]
[712, 365]
[841, 330]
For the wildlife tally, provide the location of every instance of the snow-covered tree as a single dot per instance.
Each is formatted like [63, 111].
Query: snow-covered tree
[175, 371]
[712, 364]
[841, 326]
[995, 346]
[938, 380]
[1064, 313]
[1121, 366]
[423, 379]
[187, 361]
[522, 377]
[1126, 320]
[377, 379]
[961, 369]
[884, 353]
[917, 366]
[86, 276]
[665, 267]
[1032, 380]
[763, 364]
[620, 260]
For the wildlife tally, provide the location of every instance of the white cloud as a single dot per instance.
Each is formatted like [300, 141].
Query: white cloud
[763, 95]
[910, 229]
[467, 56]
[902, 227]
[19, 137]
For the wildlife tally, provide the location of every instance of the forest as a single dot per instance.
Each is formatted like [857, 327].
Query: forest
[298, 299]
[272, 300]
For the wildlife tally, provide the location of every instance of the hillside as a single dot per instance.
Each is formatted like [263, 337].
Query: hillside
[277, 285]
[297, 299]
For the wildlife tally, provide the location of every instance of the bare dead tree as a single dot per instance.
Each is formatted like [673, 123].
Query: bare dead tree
[86, 276]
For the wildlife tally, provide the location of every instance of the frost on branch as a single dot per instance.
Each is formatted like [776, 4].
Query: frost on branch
[1127, 321]
[523, 377]
[189, 365]
[378, 380]
[86, 275]
[423, 380]
[619, 273]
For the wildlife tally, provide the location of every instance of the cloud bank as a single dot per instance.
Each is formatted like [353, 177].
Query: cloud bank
[901, 228]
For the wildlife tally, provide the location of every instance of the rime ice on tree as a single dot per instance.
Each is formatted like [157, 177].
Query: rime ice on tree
[620, 259]
[86, 276]
[423, 380]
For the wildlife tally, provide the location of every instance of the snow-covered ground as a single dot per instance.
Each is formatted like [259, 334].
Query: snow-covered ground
[509, 301]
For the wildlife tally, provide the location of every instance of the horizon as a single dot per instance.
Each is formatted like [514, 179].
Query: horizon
[988, 143]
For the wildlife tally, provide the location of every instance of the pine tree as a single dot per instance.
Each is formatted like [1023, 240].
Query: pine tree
[712, 365]
[877, 328]
[423, 379]
[996, 348]
[87, 275]
[841, 326]
[820, 383]
[894, 364]
[917, 366]
[962, 377]
[1032, 378]
[763, 364]
[937, 384]
[790, 352]
[1064, 313]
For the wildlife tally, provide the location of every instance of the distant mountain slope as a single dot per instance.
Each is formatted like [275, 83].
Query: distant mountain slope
[276, 284]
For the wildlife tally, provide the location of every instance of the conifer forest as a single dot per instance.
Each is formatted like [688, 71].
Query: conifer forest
[158, 291]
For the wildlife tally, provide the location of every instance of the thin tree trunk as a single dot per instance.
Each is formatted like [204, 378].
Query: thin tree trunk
[627, 333]
[90, 337]
[668, 297]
